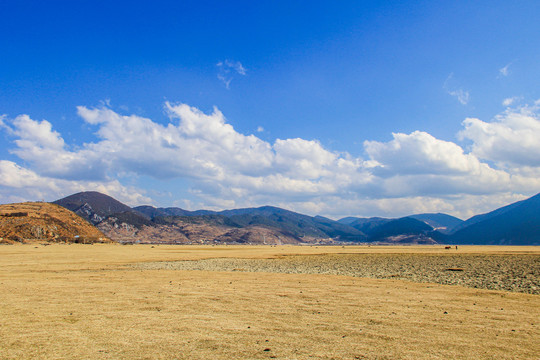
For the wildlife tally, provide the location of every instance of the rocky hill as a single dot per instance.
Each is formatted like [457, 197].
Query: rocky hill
[93, 206]
[39, 221]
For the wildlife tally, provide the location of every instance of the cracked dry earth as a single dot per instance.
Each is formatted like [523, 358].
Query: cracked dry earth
[508, 272]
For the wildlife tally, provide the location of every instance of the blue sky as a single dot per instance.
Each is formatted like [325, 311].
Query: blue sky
[350, 108]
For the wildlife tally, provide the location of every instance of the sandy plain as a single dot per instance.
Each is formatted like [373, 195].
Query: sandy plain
[259, 302]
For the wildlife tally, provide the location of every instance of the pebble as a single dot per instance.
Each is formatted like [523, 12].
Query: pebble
[512, 272]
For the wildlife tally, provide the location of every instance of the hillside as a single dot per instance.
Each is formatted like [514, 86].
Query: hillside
[438, 221]
[93, 206]
[152, 212]
[514, 224]
[147, 224]
[403, 230]
[366, 225]
[294, 223]
[38, 221]
[441, 222]
[478, 218]
[270, 217]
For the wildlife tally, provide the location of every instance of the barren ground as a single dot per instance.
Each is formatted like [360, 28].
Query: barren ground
[289, 302]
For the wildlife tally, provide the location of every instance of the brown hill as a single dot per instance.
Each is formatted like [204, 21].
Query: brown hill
[40, 221]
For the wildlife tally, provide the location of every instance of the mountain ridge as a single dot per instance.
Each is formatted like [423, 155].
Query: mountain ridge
[516, 223]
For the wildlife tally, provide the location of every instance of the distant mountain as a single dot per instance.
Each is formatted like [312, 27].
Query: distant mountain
[402, 230]
[257, 235]
[478, 218]
[396, 227]
[366, 225]
[514, 224]
[438, 221]
[41, 221]
[153, 212]
[149, 211]
[441, 222]
[215, 220]
[93, 206]
[175, 225]
[347, 220]
[517, 223]
[294, 223]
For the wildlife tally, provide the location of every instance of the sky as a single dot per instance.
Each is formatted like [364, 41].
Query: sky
[349, 108]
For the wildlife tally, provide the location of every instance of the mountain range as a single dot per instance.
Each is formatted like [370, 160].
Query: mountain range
[514, 224]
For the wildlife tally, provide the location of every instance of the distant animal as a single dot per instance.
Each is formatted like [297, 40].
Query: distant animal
[447, 247]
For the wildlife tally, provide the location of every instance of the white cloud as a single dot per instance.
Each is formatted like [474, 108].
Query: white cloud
[413, 172]
[260, 129]
[45, 149]
[511, 100]
[227, 69]
[21, 184]
[419, 164]
[505, 70]
[233, 65]
[2, 124]
[421, 153]
[461, 95]
[226, 81]
[511, 140]
[453, 89]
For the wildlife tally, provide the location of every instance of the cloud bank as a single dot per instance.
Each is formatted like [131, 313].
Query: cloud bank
[497, 163]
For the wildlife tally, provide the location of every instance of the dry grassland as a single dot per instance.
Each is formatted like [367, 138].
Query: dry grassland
[99, 302]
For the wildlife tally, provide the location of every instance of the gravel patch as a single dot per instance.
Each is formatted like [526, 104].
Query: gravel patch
[509, 272]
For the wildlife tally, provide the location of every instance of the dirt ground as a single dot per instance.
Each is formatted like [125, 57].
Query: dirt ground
[112, 302]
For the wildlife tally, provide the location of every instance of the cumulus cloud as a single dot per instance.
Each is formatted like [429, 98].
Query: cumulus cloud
[227, 69]
[511, 140]
[418, 164]
[45, 149]
[413, 172]
[421, 153]
[193, 145]
[20, 184]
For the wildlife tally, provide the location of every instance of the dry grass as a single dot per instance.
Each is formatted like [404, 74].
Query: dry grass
[76, 301]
